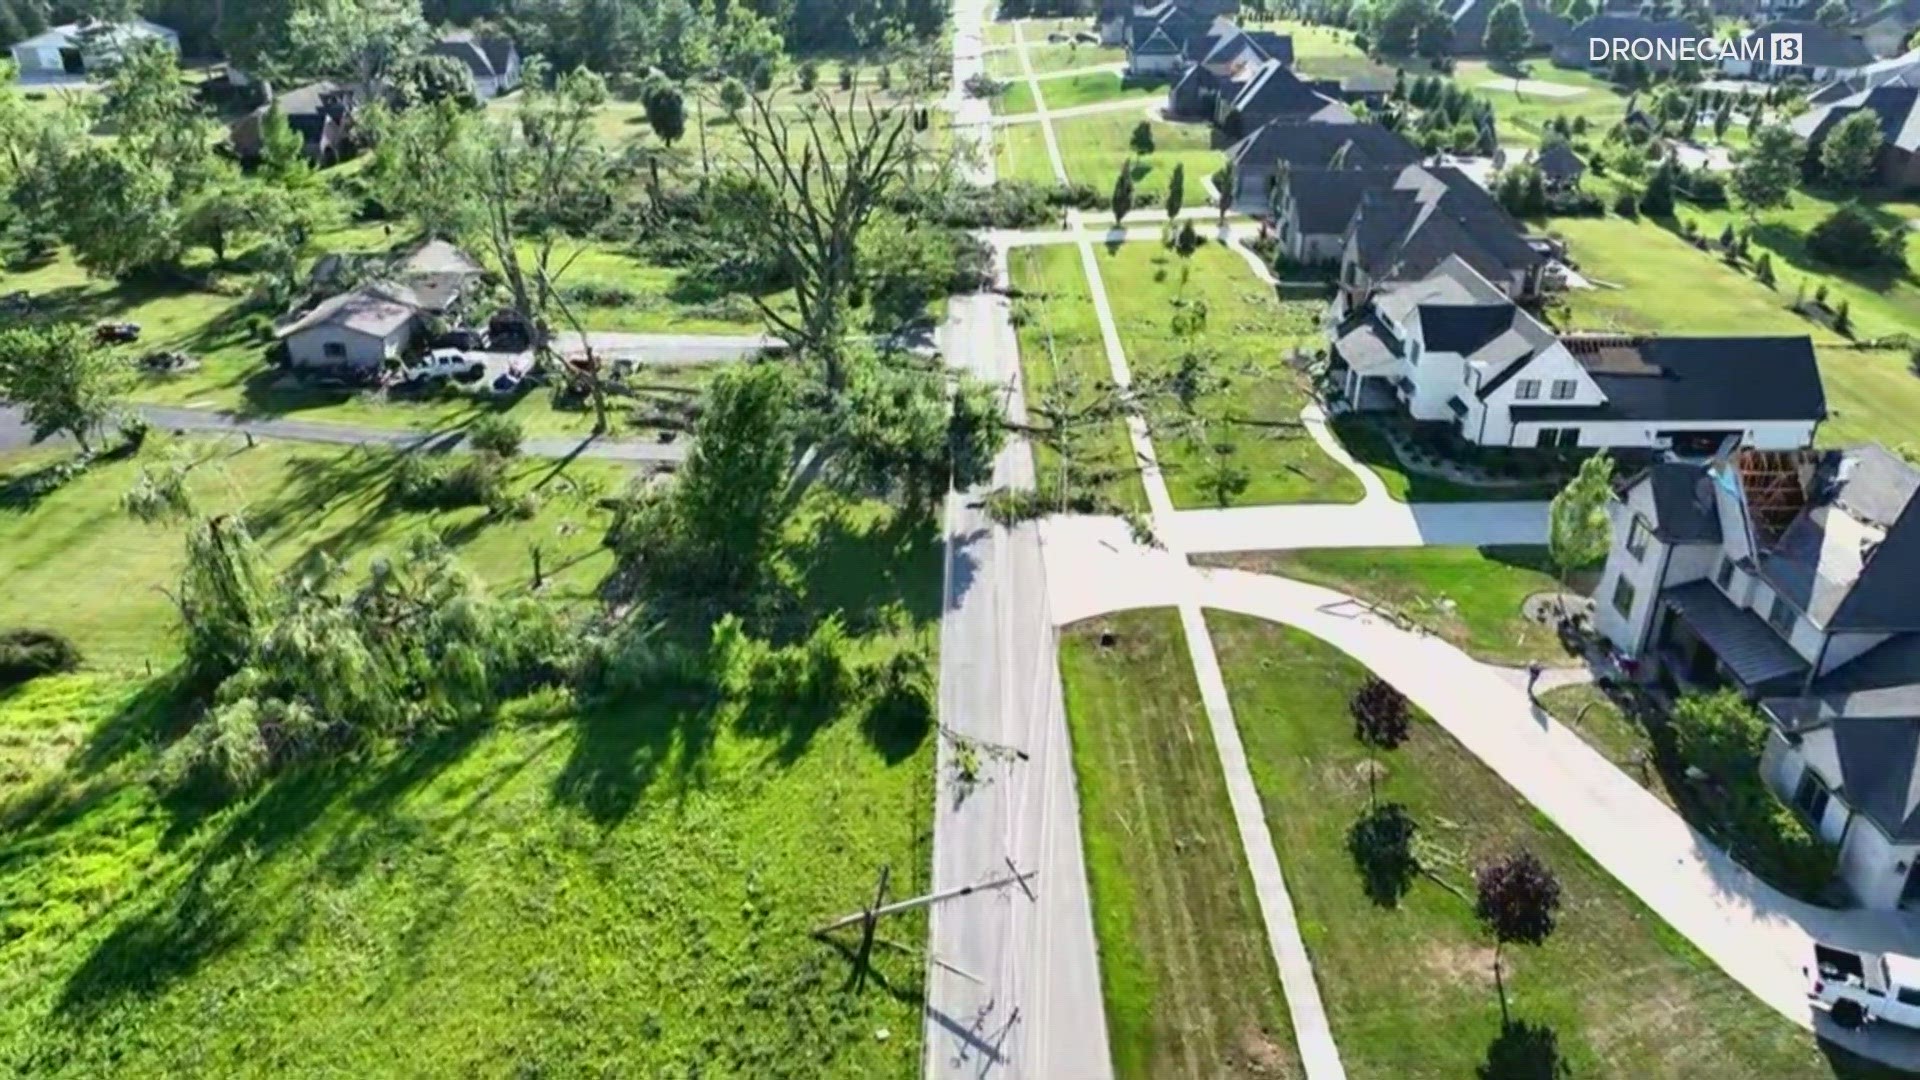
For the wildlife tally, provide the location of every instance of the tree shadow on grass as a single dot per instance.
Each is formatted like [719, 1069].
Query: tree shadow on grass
[621, 747]
[1381, 844]
[856, 568]
[1524, 1051]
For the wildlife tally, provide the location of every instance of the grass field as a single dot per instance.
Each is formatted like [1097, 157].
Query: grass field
[76, 562]
[623, 889]
[211, 324]
[1189, 982]
[1469, 596]
[1406, 973]
[1252, 417]
[1063, 364]
[1521, 114]
[1087, 89]
[1046, 58]
[1094, 148]
[1872, 395]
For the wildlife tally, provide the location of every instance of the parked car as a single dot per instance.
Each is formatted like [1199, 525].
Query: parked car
[1857, 988]
[117, 333]
[461, 339]
[442, 364]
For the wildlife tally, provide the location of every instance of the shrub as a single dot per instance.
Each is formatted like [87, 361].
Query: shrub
[450, 482]
[809, 74]
[28, 654]
[1720, 734]
[600, 294]
[1626, 205]
[1850, 237]
[846, 76]
[496, 434]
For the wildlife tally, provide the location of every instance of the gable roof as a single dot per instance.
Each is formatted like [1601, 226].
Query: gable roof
[1273, 90]
[1303, 144]
[1903, 70]
[376, 308]
[1680, 495]
[1850, 560]
[1820, 45]
[1429, 214]
[463, 46]
[1898, 108]
[1557, 161]
[1324, 199]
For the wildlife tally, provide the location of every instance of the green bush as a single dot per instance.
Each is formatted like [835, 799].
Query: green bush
[450, 482]
[496, 434]
[28, 654]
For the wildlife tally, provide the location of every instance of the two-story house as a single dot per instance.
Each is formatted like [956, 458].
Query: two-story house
[1262, 163]
[1793, 578]
[1403, 230]
[1453, 348]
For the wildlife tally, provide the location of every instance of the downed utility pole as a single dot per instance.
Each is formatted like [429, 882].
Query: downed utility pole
[873, 914]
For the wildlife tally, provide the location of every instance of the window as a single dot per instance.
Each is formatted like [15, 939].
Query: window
[1556, 437]
[1811, 796]
[1724, 575]
[1563, 389]
[1623, 594]
[1413, 353]
[1781, 614]
[1527, 390]
[1637, 536]
[1908, 996]
[333, 350]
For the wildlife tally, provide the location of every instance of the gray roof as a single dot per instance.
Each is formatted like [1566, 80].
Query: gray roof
[376, 309]
[1742, 641]
[1851, 559]
[1430, 214]
[1274, 91]
[1878, 766]
[1324, 199]
[1820, 46]
[1367, 344]
[1557, 161]
[1903, 70]
[1897, 106]
[1316, 144]
[1451, 282]
[1684, 508]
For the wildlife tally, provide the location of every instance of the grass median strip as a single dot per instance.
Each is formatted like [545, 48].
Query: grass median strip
[1184, 963]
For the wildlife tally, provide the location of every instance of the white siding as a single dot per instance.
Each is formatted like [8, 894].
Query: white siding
[1844, 647]
[362, 352]
[1873, 866]
[1768, 435]
[1629, 630]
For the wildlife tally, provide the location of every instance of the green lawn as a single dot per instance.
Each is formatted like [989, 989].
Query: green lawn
[75, 562]
[1873, 396]
[211, 324]
[1095, 148]
[620, 890]
[1253, 417]
[1020, 153]
[1045, 57]
[1588, 710]
[1469, 596]
[1188, 978]
[1063, 366]
[1521, 115]
[1404, 969]
[1087, 89]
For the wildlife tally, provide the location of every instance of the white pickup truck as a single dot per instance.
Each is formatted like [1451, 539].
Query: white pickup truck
[1857, 988]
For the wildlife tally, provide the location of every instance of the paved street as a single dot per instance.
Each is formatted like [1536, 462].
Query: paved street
[1013, 989]
[666, 350]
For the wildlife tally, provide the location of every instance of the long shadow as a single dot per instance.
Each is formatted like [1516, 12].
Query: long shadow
[854, 569]
[1524, 1051]
[621, 748]
[1381, 844]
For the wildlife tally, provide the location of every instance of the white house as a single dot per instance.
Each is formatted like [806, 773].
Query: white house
[1793, 578]
[362, 329]
[1454, 348]
[80, 50]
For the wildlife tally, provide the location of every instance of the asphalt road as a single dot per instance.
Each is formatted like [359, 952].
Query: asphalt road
[1013, 986]
[15, 435]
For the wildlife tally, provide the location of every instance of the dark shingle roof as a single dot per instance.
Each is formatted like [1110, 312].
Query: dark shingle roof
[1684, 509]
[1463, 328]
[1821, 46]
[1695, 378]
[1557, 161]
[1274, 91]
[1324, 199]
[1428, 214]
[1897, 106]
[1314, 145]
